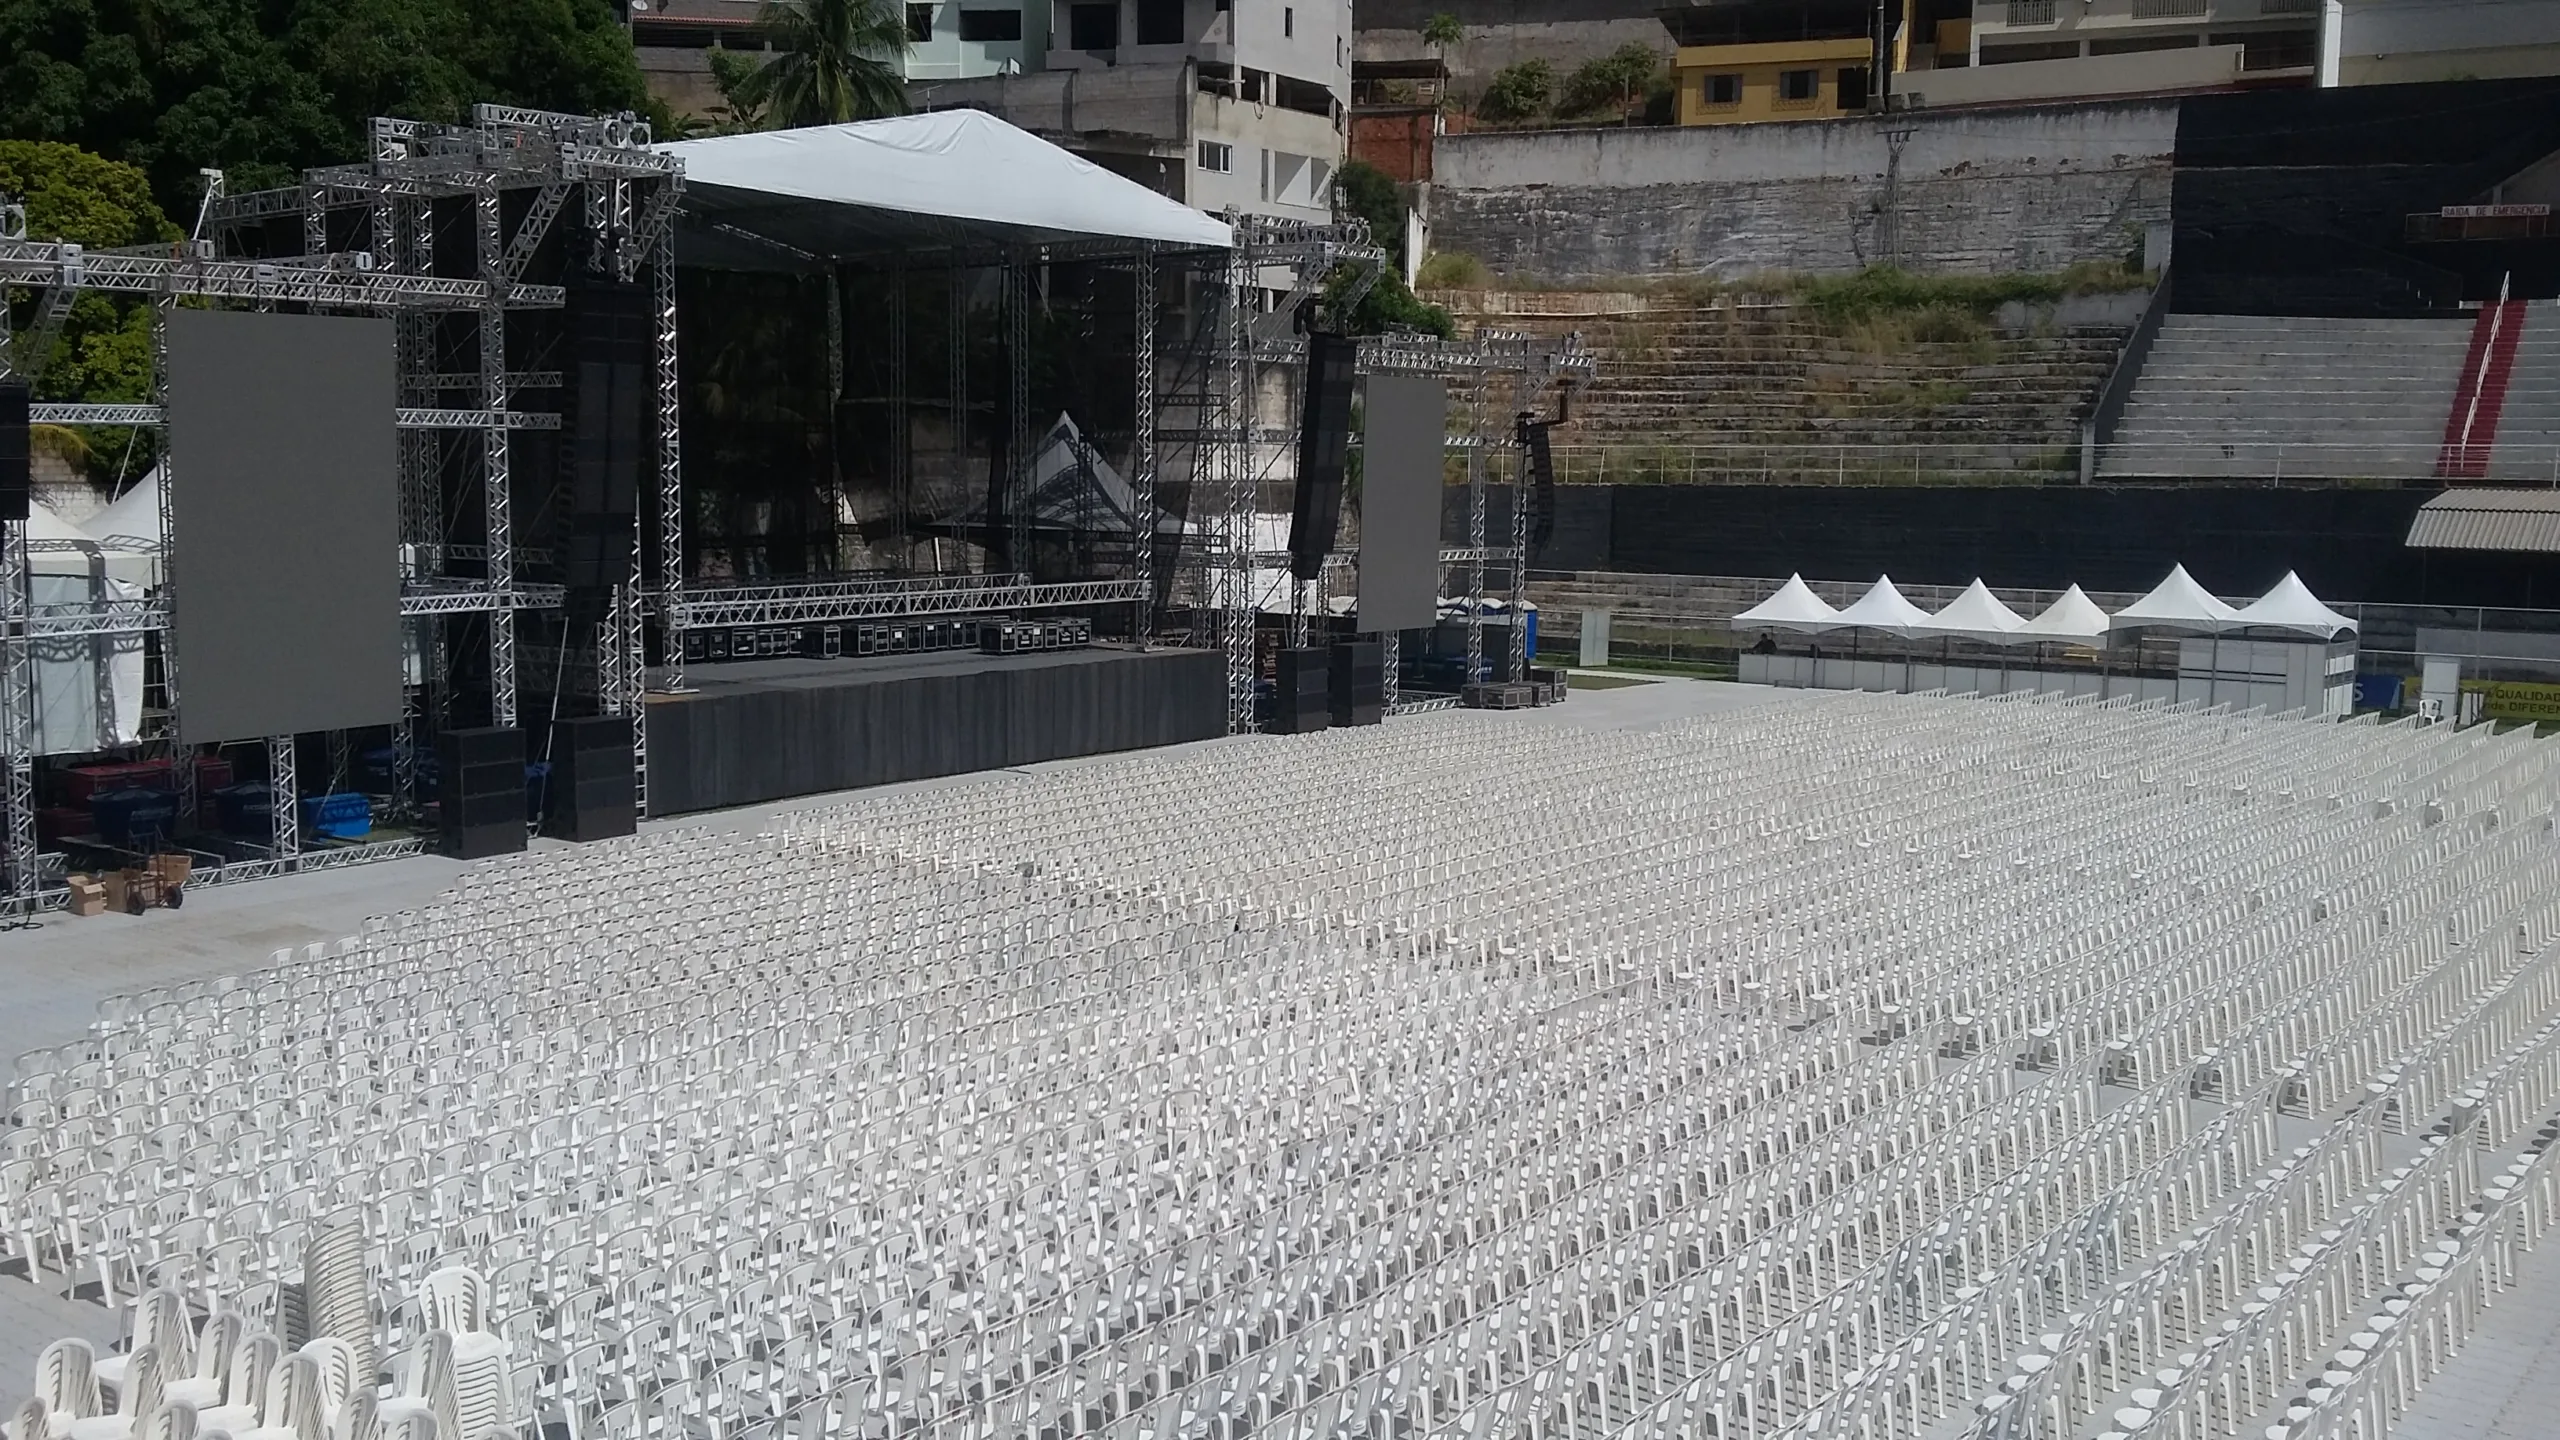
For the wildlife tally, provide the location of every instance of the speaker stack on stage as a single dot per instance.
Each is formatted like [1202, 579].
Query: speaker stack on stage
[591, 795]
[1324, 452]
[1299, 698]
[1358, 688]
[480, 791]
[605, 398]
[16, 478]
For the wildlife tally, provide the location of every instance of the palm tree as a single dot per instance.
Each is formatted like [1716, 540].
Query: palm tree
[837, 62]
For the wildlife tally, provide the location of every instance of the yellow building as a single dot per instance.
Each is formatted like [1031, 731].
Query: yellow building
[1743, 61]
[1790, 80]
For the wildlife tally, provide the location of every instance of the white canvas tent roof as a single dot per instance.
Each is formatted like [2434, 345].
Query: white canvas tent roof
[2072, 617]
[955, 177]
[1977, 614]
[2292, 606]
[1884, 608]
[132, 520]
[1794, 607]
[2178, 603]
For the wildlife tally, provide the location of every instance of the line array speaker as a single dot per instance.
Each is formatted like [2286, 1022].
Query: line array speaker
[1357, 688]
[592, 795]
[15, 459]
[1542, 481]
[1299, 700]
[480, 791]
[1324, 451]
[605, 398]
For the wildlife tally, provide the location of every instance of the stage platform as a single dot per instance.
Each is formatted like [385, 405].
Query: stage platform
[757, 730]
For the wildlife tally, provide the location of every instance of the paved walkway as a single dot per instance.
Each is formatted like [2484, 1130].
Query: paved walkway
[2505, 1384]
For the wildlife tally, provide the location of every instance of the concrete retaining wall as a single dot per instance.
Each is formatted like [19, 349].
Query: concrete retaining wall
[2031, 189]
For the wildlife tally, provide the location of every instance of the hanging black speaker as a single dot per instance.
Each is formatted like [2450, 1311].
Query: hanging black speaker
[605, 404]
[1324, 451]
[1542, 480]
[16, 480]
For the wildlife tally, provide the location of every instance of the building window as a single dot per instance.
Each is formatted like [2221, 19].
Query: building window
[2168, 9]
[2030, 12]
[1850, 87]
[1288, 21]
[1094, 27]
[1799, 87]
[991, 25]
[1217, 159]
[919, 24]
[1159, 22]
[1721, 90]
[2020, 54]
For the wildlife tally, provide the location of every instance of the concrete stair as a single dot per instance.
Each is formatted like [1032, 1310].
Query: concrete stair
[2261, 397]
[1764, 386]
[2528, 442]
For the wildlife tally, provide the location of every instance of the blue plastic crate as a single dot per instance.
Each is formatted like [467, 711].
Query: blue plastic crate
[341, 816]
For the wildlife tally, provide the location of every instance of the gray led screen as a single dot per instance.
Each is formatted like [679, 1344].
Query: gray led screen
[285, 523]
[1407, 419]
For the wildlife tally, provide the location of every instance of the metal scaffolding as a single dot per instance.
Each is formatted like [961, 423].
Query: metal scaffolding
[388, 204]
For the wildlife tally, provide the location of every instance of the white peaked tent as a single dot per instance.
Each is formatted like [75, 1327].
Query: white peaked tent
[2178, 603]
[1977, 614]
[2073, 618]
[1883, 608]
[881, 185]
[2292, 606]
[1794, 607]
[1072, 487]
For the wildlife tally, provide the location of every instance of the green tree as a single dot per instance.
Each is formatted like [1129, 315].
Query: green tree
[1440, 32]
[1613, 84]
[262, 89]
[1365, 192]
[1518, 92]
[838, 62]
[104, 353]
[730, 73]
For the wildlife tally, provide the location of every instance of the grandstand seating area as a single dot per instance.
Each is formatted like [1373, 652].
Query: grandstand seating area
[2249, 397]
[1735, 387]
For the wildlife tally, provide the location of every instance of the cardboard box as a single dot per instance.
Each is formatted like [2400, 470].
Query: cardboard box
[88, 897]
[171, 871]
[117, 886]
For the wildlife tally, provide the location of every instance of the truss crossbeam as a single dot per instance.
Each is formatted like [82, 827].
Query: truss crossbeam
[862, 600]
[25, 262]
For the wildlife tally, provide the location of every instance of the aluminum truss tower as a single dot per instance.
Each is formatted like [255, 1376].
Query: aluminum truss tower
[368, 245]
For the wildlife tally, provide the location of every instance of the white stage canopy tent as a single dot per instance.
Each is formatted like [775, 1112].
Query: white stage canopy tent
[1977, 614]
[951, 178]
[1883, 608]
[1794, 607]
[2179, 603]
[2292, 606]
[2072, 619]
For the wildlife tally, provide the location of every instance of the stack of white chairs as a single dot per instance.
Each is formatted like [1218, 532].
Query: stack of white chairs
[1854, 1065]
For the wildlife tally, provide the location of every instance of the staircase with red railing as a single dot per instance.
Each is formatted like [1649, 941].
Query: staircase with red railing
[2471, 429]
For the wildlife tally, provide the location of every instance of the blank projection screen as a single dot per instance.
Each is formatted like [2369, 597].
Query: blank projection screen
[1401, 463]
[285, 523]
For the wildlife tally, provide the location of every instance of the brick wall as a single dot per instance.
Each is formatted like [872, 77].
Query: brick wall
[1399, 139]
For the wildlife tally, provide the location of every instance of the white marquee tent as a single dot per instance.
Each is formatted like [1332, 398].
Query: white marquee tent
[2292, 606]
[2178, 603]
[1884, 608]
[2073, 618]
[1977, 614]
[1794, 607]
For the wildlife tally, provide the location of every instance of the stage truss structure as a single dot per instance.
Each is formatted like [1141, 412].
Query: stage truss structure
[370, 244]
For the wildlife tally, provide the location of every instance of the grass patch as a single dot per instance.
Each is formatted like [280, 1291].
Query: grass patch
[1586, 680]
[1885, 290]
[1690, 669]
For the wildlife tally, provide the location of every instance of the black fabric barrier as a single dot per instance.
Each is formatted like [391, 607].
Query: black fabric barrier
[773, 729]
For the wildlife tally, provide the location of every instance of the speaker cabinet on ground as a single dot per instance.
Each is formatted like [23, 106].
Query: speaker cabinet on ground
[1324, 452]
[15, 457]
[1300, 702]
[480, 791]
[1357, 685]
[592, 795]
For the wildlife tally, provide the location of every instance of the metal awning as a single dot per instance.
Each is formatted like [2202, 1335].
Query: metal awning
[2514, 521]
